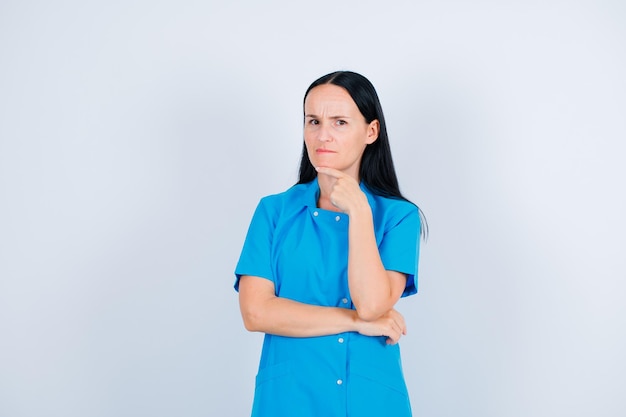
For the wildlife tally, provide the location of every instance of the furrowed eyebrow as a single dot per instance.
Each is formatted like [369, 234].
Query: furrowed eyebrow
[312, 116]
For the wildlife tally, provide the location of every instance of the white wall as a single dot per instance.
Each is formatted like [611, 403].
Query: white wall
[137, 137]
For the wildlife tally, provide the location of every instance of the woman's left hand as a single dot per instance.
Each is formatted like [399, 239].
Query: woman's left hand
[390, 324]
[346, 194]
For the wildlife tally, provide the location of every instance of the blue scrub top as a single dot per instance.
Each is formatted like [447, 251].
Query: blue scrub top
[303, 250]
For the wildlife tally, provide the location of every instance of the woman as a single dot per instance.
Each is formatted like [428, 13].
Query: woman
[325, 262]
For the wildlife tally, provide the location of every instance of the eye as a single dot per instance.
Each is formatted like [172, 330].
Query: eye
[313, 122]
[341, 122]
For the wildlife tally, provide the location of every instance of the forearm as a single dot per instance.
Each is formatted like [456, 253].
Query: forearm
[285, 317]
[262, 311]
[369, 282]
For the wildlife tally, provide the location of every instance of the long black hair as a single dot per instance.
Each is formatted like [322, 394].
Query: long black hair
[376, 171]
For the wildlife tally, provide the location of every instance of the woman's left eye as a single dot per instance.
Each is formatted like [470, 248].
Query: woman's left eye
[341, 122]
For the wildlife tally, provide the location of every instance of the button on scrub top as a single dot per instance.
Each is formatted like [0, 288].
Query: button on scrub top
[303, 250]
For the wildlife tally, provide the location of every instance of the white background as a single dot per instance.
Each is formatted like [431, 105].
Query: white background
[136, 138]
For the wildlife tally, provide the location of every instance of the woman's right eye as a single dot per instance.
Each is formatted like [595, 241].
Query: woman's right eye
[314, 122]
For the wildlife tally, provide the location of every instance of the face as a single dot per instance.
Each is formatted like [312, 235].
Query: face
[335, 131]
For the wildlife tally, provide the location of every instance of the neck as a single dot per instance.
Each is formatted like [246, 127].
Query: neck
[326, 185]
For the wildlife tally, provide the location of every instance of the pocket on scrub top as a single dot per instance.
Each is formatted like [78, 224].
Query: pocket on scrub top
[377, 392]
[392, 378]
[271, 372]
[273, 394]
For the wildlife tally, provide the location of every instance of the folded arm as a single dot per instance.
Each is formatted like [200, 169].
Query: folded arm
[263, 311]
[373, 289]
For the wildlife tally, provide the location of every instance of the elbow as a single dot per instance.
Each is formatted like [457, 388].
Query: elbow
[370, 312]
[250, 323]
[368, 315]
[251, 320]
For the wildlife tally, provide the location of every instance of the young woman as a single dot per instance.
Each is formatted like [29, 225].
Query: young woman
[325, 262]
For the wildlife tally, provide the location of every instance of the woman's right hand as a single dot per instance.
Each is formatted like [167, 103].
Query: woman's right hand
[390, 324]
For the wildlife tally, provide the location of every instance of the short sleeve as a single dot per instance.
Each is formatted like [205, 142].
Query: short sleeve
[399, 249]
[255, 258]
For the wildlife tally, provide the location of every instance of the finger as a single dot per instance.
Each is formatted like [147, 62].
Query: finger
[393, 339]
[395, 332]
[396, 322]
[402, 327]
[398, 327]
[335, 173]
[399, 319]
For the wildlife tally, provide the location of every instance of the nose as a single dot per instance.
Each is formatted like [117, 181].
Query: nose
[324, 134]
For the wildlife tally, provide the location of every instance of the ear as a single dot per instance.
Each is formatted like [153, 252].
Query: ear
[372, 131]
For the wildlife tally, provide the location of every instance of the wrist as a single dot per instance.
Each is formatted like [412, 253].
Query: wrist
[360, 211]
[355, 321]
[358, 205]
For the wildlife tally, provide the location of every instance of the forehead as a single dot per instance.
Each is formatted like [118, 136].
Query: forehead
[329, 98]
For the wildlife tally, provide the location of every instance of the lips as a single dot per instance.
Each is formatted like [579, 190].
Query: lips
[324, 151]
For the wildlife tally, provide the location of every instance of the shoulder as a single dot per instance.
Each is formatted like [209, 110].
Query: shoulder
[391, 207]
[390, 213]
[295, 196]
